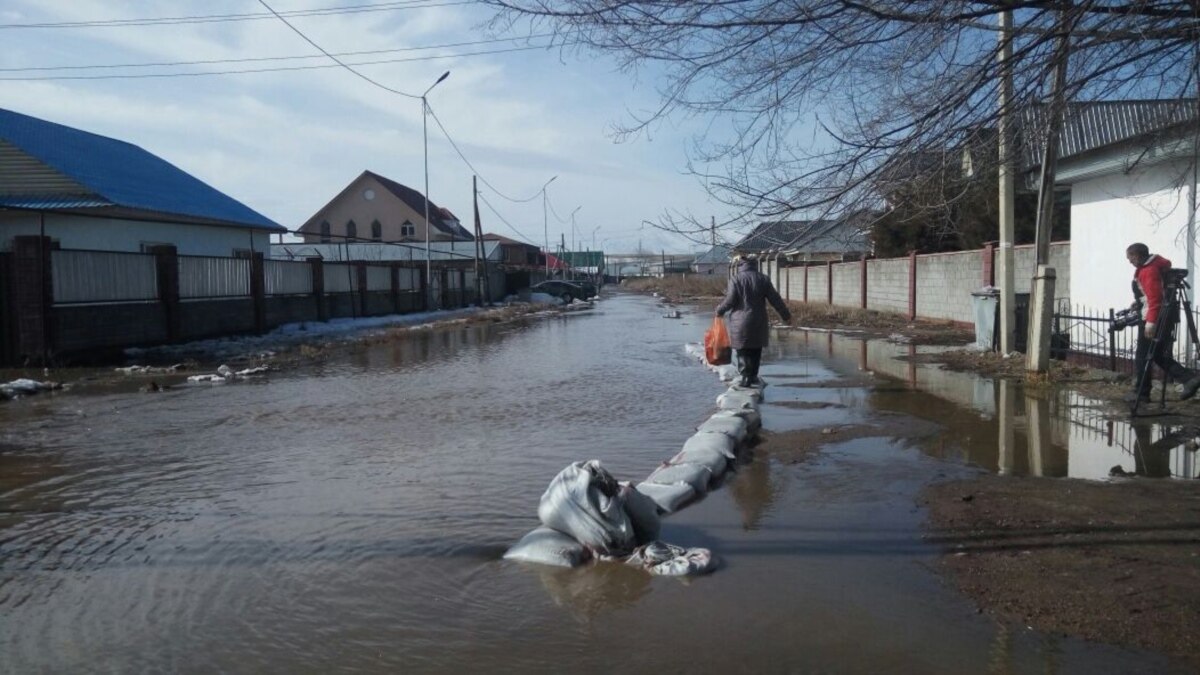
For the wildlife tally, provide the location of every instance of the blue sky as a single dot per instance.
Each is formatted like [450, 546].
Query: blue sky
[286, 142]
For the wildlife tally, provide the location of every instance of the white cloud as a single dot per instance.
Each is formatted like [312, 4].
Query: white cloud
[286, 142]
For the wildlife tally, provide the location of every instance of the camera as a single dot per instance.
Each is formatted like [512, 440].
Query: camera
[1124, 319]
[1174, 278]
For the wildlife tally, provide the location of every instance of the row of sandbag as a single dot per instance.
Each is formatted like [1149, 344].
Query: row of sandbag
[586, 513]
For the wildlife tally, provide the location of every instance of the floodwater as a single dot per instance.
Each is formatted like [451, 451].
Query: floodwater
[352, 515]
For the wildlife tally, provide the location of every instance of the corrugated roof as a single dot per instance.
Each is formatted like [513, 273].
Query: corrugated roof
[773, 234]
[717, 255]
[122, 174]
[1089, 125]
[51, 203]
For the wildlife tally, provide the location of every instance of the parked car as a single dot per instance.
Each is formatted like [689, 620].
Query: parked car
[564, 290]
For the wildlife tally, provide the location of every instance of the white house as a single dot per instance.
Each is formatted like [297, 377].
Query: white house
[1132, 176]
[86, 191]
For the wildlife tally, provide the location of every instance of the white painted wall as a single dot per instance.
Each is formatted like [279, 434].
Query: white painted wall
[1108, 213]
[115, 234]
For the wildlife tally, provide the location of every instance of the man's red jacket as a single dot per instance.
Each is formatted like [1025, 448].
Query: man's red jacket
[1149, 278]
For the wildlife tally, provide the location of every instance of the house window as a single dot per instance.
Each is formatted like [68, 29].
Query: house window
[408, 229]
[351, 231]
[376, 231]
[325, 232]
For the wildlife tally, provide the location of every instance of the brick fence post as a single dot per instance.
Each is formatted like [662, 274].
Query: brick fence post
[989, 264]
[829, 281]
[166, 267]
[862, 283]
[360, 280]
[32, 296]
[7, 346]
[912, 285]
[258, 292]
[318, 287]
[394, 269]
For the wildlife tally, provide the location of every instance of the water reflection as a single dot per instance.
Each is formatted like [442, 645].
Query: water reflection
[589, 591]
[754, 492]
[998, 425]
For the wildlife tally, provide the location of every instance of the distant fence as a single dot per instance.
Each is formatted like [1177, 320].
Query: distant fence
[930, 286]
[71, 301]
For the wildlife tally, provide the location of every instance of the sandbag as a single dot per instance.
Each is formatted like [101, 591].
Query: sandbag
[642, 512]
[548, 547]
[736, 400]
[753, 418]
[670, 560]
[708, 457]
[668, 498]
[585, 502]
[693, 474]
[717, 442]
[727, 372]
[733, 427]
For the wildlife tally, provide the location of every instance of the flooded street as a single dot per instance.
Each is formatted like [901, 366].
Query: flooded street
[352, 514]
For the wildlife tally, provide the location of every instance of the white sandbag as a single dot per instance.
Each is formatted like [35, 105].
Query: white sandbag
[717, 442]
[727, 372]
[753, 418]
[736, 400]
[642, 512]
[670, 560]
[733, 427]
[694, 475]
[710, 458]
[668, 498]
[585, 502]
[548, 547]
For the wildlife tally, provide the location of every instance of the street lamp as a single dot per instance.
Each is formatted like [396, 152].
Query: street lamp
[425, 137]
[546, 225]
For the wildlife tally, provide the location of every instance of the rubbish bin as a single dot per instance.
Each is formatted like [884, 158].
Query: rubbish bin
[985, 302]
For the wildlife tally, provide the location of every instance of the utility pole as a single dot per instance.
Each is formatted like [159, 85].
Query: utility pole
[1007, 190]
[483, 287]
[713, 229]
[1041, 310]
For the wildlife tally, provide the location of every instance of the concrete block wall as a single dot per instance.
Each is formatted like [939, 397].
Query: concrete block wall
[887, 285]
[212, 318]
[83, 327]
[282, 309]
[1060, 259]
[945, 282]
[793, 284]
[818, 284]
[847, 284]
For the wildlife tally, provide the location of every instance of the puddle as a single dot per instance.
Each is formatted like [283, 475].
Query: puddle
[992, 424]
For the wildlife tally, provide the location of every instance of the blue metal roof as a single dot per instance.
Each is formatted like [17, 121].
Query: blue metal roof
[122, 174]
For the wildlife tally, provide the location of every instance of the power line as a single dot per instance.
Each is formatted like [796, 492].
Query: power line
[335, 59]
[505, 221]
[278, 69]
[261, 59]
[223, 18]
[472, 166]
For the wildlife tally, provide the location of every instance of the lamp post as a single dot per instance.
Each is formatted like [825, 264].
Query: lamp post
[425, 137]
[546, 225]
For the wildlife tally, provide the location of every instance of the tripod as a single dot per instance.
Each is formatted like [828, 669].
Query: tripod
[1175, 299]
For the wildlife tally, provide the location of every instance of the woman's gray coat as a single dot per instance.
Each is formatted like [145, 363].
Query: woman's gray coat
[746, 303]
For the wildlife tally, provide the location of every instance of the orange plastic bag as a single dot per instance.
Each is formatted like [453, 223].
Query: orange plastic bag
[717, 348]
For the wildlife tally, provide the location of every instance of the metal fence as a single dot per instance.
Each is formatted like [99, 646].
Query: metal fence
[410, 279]
[207, 277]
[1089, 338]
[379, 278]
[339, 278]
[103, 276]
[284, 277]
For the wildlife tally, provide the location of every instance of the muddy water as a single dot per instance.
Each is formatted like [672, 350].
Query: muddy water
[352, 516]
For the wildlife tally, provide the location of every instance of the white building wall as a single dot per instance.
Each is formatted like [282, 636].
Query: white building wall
[117, 234]
[1109, 213]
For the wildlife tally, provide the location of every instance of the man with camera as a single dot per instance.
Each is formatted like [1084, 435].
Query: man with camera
[1153, 290]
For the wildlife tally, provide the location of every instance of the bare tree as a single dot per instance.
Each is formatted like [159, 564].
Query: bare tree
[818, 96]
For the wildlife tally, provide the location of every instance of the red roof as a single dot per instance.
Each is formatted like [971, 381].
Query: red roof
[555, 263]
